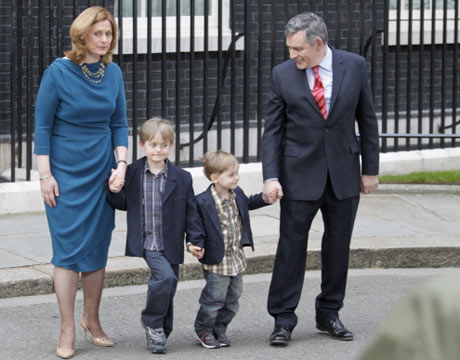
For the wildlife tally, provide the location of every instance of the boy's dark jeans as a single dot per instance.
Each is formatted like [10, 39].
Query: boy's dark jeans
[162, 284]
[219, 302]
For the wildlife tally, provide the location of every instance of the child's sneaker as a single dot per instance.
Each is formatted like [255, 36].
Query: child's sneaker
[222, 339]
[207, 339]
[156, 340]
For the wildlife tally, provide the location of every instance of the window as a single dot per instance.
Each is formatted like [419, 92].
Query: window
[404, 15]
[171, 11]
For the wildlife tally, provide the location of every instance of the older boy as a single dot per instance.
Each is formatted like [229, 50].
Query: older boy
[224, 210]
[161, 208]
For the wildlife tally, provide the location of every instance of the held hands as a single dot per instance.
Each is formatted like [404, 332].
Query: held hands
[117, 178]
[49, 189]
[369, 183]
[196, 251]
[116, 185]
[272, 191]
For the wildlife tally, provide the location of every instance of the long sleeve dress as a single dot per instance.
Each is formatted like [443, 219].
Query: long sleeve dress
[78, 123]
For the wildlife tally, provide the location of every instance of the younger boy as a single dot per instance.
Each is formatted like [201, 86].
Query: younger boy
[224, 211]
[161, 208]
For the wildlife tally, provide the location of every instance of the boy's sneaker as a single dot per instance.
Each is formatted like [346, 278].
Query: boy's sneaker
[156, 340]
[207, 339]
[223, 340]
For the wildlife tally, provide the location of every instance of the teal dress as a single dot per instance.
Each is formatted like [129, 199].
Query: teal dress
[78, 123]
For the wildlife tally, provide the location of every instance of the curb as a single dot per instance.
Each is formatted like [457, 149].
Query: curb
[431, 257]
[417, 189]
[24, 196]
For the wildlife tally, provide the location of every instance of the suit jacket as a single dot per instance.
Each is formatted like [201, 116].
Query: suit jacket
[301, 149]
[214, 244]
[179, 212]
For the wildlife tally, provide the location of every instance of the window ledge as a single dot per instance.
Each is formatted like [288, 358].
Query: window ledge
[156, 43]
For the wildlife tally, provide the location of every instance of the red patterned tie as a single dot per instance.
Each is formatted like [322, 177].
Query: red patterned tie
[318, 93]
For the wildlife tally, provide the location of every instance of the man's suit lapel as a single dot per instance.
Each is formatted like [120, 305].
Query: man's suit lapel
[302, 83]
[338, 71]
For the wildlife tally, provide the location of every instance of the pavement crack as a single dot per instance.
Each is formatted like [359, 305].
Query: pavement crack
[21, 256]
[421, 207]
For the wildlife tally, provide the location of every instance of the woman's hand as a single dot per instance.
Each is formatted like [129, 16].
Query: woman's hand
[116, 185]
[118, 174]
[49, 189]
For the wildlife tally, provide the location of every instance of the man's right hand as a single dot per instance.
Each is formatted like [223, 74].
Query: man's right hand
[273, 191]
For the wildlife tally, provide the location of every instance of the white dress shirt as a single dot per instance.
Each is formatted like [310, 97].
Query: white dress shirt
[325, 73]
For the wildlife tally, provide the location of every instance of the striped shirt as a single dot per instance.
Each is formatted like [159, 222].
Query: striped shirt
[153, 187]
[234, 261]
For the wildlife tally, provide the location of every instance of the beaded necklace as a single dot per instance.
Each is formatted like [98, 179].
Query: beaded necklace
[93, 77]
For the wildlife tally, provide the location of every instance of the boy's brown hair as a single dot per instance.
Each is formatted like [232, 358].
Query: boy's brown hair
[217, 162]
[152, 127]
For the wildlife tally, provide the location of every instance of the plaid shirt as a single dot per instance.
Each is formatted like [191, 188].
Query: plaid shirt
[234, 261]
[153, 187]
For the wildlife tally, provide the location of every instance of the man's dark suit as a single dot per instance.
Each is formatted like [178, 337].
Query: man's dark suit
[317, 164]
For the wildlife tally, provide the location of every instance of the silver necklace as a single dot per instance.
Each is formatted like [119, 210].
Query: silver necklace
[93, 77]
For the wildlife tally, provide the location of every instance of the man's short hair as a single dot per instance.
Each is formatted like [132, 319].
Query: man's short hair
[217, 162]
[152, 127]
[313, 26]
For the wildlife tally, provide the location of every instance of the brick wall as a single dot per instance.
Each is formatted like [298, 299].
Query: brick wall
[5, 68]
[346, 31]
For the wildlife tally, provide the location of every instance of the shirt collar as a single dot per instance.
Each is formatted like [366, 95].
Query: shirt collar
[163, 172]
[216, 195]
[326, 62]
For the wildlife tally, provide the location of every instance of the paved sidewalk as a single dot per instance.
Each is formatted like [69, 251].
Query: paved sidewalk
[399, 226]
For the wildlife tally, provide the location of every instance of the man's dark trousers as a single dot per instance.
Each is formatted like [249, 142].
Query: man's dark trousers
[287, 280]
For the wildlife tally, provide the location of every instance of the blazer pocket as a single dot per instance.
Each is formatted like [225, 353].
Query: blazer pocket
[354, 148]
[291, 150]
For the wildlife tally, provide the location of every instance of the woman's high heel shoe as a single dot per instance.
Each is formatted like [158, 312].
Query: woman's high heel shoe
[102, 341]
[65, 353]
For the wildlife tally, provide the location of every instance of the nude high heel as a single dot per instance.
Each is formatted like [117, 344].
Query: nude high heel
[102, 341]
[65, 353]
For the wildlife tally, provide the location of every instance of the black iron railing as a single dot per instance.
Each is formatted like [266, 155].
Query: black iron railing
[210, 75]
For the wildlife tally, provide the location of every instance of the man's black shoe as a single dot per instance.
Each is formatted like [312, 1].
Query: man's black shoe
[280, 336]
[336, 329]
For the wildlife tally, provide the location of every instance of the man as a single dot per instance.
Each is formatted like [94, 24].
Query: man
[311, 161]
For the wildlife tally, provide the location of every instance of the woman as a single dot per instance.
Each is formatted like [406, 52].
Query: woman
[80, 119]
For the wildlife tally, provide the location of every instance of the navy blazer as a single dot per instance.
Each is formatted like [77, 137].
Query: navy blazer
[179, 212]
[301, 149]
[214, 244]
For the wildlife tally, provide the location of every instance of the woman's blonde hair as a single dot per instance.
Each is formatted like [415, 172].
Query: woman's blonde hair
[217, 162]
[80, 28]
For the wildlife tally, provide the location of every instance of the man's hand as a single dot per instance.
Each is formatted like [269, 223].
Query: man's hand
[272, 192]
[369, 183]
